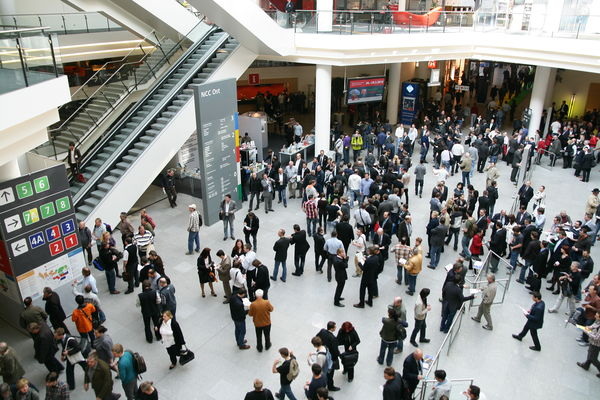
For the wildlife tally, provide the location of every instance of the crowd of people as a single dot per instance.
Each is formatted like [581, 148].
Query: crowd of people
[356, 212]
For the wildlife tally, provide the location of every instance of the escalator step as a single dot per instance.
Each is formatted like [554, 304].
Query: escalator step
[129, 158]
[123, 165]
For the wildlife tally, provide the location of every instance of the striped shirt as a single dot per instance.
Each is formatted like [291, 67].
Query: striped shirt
[310, 208]
[142, 241]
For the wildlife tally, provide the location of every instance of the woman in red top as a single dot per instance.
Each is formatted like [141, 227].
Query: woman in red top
[476, 248]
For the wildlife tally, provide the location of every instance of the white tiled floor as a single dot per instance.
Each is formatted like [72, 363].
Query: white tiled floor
[503, 367]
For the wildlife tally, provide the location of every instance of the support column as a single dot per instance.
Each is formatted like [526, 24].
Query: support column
[322, 107]
[393, 95]
[324, 15]
[538, 96]
[10, 170]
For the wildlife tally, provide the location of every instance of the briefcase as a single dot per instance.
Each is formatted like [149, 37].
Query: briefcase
[186, 355]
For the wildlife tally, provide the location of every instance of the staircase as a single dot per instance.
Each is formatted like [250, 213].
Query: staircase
[106, 98]
[114, 157]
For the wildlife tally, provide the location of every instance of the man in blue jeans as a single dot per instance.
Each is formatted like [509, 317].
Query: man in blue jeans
[194, 223]
[238, 315]
[282, 367]
[281, 249]
[515, 246]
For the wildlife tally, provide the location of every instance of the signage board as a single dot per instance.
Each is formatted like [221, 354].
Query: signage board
[410, 102]
[38, 227]
[364, 90]
[216, 122]
[254, 79]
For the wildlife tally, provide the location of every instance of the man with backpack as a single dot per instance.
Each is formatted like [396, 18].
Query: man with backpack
[127, 368]
[330, 341]
[288, 369]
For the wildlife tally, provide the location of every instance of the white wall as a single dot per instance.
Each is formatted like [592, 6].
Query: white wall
[8, 7]
[306, 74]
[574, 82]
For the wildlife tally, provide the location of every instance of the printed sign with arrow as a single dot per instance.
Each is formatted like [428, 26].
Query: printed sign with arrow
[19, 247]
[6, 196]
[13, 223]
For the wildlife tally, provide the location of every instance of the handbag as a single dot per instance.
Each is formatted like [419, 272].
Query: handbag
[349, 358]
[186, 355]
[126, 276]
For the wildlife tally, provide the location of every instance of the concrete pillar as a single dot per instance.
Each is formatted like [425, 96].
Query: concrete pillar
[325, 15]
[322, 107]
[401, 5]
[538, 96]
[550, 91]
[10, 170]
[393, 95]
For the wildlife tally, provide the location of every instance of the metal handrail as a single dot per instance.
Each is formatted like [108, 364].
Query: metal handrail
[429, 381]
[25, 29]
[125, 119]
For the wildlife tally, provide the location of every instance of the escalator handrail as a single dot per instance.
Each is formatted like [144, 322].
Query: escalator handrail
[125, 118]
[142, 126]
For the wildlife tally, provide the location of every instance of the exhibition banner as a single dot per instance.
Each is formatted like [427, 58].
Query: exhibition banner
[364, 90]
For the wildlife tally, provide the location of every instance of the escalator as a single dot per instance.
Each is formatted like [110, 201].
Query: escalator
[156, 128]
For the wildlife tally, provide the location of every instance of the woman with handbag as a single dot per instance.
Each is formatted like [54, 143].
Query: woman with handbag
[172, 337]
[348, 337]
[206, 271]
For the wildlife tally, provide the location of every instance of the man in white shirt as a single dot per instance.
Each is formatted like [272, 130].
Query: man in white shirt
[88, 279]
[457, 151]
[247, 260]
[555, 126]
[292, 177]
[354, 188]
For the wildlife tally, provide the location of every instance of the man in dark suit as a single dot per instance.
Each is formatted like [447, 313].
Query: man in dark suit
[261, 281]
[412, 370]
[499, 217]
[322, 158]
[522, 215]
[281, 181]
[386, 223]
[330, 341]
[281, 249]
[393, 388]
[301, 247]
[405, 229]
[453, 299]
[535, 321]
[319, 252]
[368, 277]
[525, 194]
[345, 232]
[340, 265]
[382, 240]
[150, 310]
[497, 245]
[492, 191]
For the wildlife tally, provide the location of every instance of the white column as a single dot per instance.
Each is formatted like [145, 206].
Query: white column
[401, 5]
[325, 15]
[550, 91]
[322, 107]
[10, 170]
[538, 96]
[393, 95]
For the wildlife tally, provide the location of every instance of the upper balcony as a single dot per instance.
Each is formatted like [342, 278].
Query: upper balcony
[539, 36]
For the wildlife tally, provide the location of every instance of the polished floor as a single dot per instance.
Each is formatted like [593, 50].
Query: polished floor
[503, 367]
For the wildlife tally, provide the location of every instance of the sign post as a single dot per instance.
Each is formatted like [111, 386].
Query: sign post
[39, 245]
[218, 142]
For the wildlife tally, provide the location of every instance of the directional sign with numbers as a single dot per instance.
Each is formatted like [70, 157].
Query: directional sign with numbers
[37, 219]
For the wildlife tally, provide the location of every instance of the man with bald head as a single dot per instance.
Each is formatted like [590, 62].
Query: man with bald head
[412, 371]
[259, 392]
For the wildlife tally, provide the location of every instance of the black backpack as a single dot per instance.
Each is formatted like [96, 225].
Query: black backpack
[139, 364]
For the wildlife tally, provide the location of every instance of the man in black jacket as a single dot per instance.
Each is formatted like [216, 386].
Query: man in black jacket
[319, 251]
[54, 309]
[130, 264]
[261, 281]
[382, 240]
[453, 299]
[301, 247]
[330, 341]
[108, 259]
[368, 278]
[412, 370]
[255, 190]
[345, 232]
[251, 225]
[393, 388]
[525, 194]
[340, 265]
[405, 229]
[492, 191]
[238, 315]
[150, 310]
[497, 245]
[44, 346]
[281, 249]
[535, 321]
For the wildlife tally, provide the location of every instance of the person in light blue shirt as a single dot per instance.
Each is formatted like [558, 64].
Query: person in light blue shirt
[441, 387]
[126, 369]
[365, 186]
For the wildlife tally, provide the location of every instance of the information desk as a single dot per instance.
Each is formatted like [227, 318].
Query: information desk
[287, 155]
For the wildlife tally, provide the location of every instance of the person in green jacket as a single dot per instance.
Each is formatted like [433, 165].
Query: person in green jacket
[98, 374]
[10, 367]
[126, 369]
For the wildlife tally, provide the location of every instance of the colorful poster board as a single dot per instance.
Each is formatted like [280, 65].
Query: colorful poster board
[364, 90]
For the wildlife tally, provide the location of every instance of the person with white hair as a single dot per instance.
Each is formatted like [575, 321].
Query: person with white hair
[194, 224]
[487, 299]
[260, 311]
